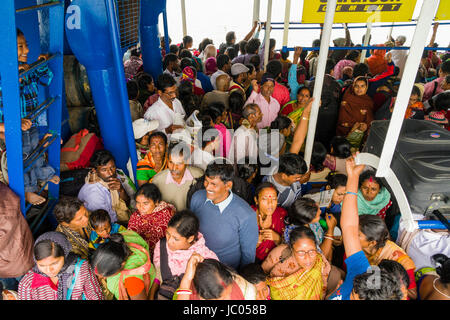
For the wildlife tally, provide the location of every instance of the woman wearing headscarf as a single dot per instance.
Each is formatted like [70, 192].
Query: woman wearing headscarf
[356, 112]
[210, 66]
[58, 274]
[377, 62]
[189, 74]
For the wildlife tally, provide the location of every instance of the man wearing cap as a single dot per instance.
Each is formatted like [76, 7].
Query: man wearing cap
[239, 74]
[262, 96]
[175, 181]
[399, 56]
[142, 130]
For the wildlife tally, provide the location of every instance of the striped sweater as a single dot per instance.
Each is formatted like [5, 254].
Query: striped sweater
[34, 286]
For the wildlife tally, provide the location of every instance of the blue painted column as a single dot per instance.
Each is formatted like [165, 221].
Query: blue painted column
[150, 45]
[89, 37]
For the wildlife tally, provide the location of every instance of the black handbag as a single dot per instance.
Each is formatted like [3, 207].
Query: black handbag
[169, 283]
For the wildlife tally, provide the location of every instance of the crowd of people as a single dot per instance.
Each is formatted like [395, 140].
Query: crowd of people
[224, 206]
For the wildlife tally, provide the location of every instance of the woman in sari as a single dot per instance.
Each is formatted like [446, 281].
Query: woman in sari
[374, 239]
[294, 109]
[373, 198]
[356, 108]
[58, 273]
[152, 216]
[155, 160]
[377, 62]
[297, 271]
[270, 219]
[125, 263]
[172, 253]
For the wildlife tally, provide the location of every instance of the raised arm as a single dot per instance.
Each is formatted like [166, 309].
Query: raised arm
[349, 214]
[433, 36]
[250, 34]
[184, 290]
[302, 129]
[348, 39]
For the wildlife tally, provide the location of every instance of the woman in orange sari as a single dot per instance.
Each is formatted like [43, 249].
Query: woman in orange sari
[374, 238]
[297, 271]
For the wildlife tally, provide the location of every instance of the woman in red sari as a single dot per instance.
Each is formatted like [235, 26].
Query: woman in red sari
[270, 219]
[152, 216]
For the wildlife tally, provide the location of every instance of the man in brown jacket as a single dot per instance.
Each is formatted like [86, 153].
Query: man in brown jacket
[16, 240]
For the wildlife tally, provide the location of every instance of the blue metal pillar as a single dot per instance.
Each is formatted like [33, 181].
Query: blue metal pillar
[10, 97]
[89, 37]
[150, 45]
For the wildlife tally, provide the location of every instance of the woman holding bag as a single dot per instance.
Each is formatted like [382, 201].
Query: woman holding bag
[172, 252]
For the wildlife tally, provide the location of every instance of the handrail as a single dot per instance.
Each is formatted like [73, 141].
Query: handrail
[41, 108]
[32, 158]
[39, 193]
[431, 224]
[341, 27]
[39, 6]
[38, 64]
[367, 48]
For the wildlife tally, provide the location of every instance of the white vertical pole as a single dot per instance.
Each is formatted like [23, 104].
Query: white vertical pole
[366, 41]
[424, 22]
[287, 17]
[390, 31]
[268, 27]
[320, 75]
[256, 6]
[183, 17]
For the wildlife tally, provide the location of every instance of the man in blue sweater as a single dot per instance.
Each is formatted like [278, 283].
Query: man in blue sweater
[227, 222]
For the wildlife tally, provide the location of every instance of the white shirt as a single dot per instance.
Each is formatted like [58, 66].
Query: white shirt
[161, 112]
[214, 78]
[200, 158]
[244, 143]
[399, 59]
[224, 204]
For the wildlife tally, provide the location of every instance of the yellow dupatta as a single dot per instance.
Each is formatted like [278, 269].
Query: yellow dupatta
[302, 285]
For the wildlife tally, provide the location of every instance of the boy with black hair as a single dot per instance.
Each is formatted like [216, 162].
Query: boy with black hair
[102, 228]
[292, 173]
[29, 102]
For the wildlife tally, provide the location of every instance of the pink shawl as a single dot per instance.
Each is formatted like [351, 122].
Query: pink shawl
[178, 259]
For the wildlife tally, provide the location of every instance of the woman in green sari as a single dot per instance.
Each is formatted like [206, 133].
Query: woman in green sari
[294, 109]
[125, 263]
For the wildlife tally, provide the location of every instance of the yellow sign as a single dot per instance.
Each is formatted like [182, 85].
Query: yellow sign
[360, 11]
[443, 12]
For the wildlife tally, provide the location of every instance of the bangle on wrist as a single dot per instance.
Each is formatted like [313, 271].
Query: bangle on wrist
[329, 238]
[353, 193]
[183, 291]
[305, 118]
